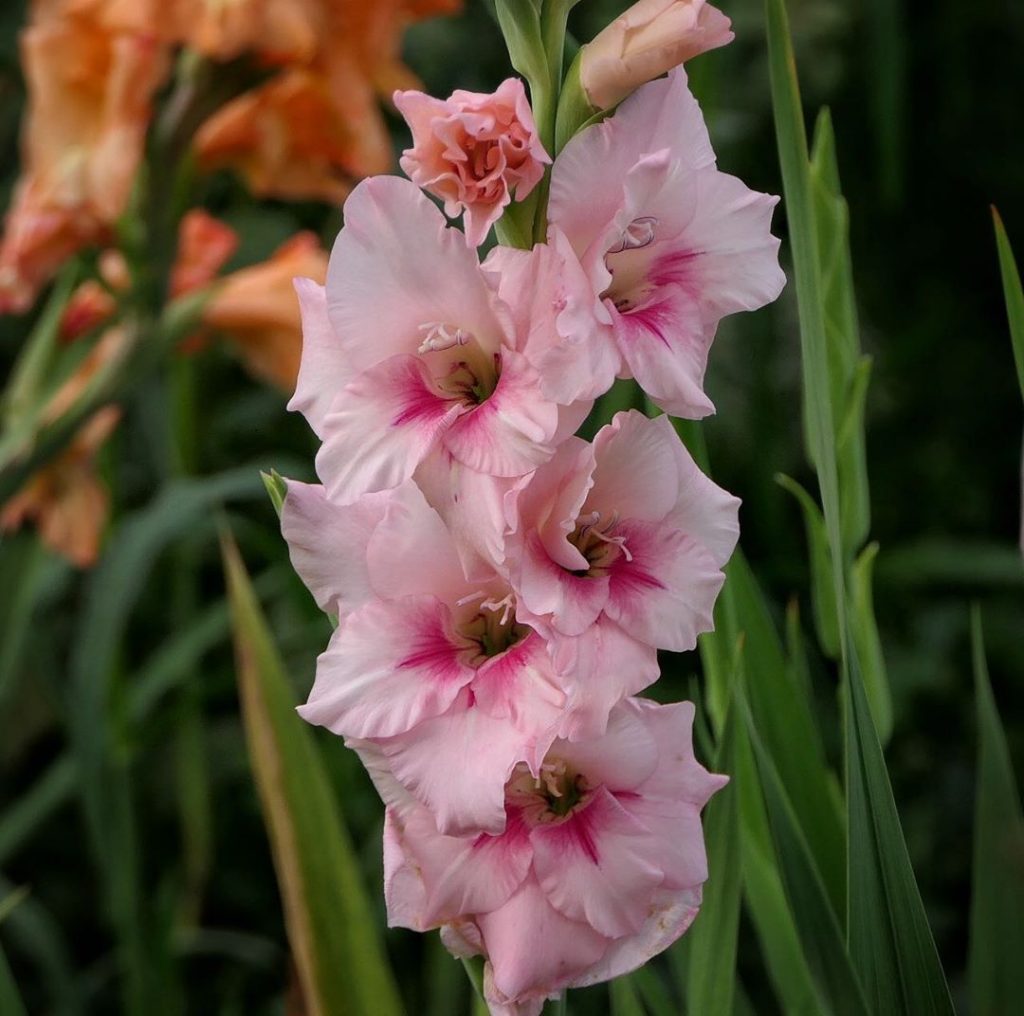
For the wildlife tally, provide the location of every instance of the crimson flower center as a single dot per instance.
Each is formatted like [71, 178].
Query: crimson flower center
[628, 263]
[492, 630]
[554, 794]
[460, 367]
[595, 538]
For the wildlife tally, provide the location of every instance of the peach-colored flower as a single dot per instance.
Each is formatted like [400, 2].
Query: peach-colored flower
[473, 150]
[204, 245]
[314, 129]
[89, 103]
[256, 310]
[66, 499]
[278, 30]
[652, 37]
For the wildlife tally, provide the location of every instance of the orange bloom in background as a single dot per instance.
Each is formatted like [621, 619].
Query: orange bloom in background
[312, 130]
[89, 103]
[66, 499]
[278, 30]
[256, 310]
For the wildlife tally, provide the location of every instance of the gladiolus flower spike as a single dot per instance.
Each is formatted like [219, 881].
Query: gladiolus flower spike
[502, 586]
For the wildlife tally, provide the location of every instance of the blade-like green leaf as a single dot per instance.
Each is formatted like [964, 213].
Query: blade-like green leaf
[887, 929]
[816, 921]
[712, 940]
[823, 597]
[335, 942]
[787, 725]
[864, 631]
[994, 967]
[624, 999]
[1013, 294]
[10, 998]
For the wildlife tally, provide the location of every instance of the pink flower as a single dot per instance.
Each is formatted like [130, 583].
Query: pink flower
[627, 530]
[411, 350]
[652, 37]
[670, 244]
[433, 666]
[599, 867]
[473, 150]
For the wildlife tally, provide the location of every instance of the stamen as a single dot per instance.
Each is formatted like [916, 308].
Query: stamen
[506, 605]
[441, 336]
[639, 233]
[478, 595]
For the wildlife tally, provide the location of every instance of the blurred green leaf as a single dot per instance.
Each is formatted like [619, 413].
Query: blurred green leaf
[994, 967]
[335, 943]
[20, 818]
[823, 597]
[787, 725]
[712, 941]
[623, 998]
[1013, 294]
[10, 998]
[816, 922]
[889, 938]
[864, 631]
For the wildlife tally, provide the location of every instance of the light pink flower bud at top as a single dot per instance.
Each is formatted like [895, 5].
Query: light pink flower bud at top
[473, 151]
[652, 37]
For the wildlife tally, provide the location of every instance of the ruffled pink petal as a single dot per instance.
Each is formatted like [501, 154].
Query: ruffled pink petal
[671, 913]
[390, 666]
[457, 765]
[511, 432]
[598, 866]
[533, 949]
[605, 665]
[664, 342]
[412, 552]
[728, 257]
[454, 875]
[659, 114]
[522, 686]
[570, 602]
[381, 427]
[636, 474]
[665, 595]
[396, 267]
[327, 544]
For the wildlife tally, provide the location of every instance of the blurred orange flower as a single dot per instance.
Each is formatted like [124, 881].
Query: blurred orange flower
[66, 499]
[89, 99]
[310, 131]
[257, 311]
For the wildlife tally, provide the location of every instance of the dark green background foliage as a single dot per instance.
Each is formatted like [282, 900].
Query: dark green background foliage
[130, 666]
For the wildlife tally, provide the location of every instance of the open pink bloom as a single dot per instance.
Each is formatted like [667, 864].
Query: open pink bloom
[473, 150]
[599, 867]
[650, 38]
[410, 350]
[434, 666]
[627, 530]
[670, 244]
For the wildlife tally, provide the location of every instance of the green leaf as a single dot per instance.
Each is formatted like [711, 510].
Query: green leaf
[1013, 294]
[277, 489]
[887, 929]
[787, 725]
[823, 598]
[713, 938]
[10, 998]
[864, 631]
[335, 942]
[819, 412]
[994, 968]
[816, 921]
[624, 999]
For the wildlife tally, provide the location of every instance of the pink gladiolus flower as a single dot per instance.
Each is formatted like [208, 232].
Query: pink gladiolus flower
[627, 530]
[411, 350]
[652, 37]
[434, 666]
[473, 151]
[670, 244]
[599, 867]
